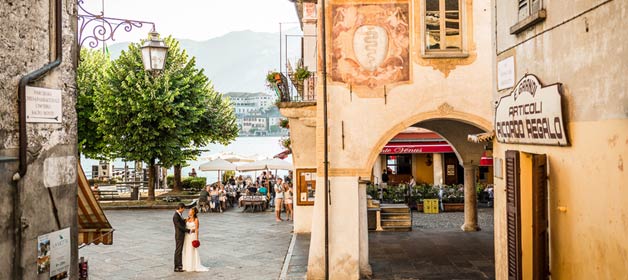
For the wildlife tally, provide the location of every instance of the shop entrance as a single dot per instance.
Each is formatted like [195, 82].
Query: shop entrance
[432, 160]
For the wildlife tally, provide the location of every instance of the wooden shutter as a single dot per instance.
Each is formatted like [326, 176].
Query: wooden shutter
[540, 221]
[513, 217]
[524, 9]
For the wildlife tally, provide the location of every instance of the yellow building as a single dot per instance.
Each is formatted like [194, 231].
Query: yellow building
[544, 82]
[562, 137]
[390, 65]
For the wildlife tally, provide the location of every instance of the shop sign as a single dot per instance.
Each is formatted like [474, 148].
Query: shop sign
[402, 150]
[506, 73]
[531, 114]
[53, 254]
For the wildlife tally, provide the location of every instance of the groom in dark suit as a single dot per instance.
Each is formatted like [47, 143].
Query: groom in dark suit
[179, 236]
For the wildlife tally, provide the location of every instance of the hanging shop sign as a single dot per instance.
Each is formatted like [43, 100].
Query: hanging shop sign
[531, 114]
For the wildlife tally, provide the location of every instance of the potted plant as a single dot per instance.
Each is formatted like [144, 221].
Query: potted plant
[284, 123]
[453, 198]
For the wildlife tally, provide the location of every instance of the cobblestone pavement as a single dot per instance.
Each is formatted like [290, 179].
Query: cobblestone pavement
[436, 248]
[451, 220]
[235, 245]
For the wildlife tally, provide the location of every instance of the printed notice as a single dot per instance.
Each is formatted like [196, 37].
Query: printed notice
[60, 254]
[506, 73]
[43, 105]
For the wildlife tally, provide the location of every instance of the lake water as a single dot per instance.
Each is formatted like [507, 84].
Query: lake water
[261, 147]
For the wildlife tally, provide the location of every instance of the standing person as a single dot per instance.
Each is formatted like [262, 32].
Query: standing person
[278, 199]
[179, 236]
[191, 257]
[384, 185]
[287, 194]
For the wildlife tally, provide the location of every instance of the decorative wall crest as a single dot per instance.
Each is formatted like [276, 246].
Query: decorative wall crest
[445, 109]
[369, 44]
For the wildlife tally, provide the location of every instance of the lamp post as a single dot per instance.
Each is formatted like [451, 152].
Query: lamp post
[154, 53]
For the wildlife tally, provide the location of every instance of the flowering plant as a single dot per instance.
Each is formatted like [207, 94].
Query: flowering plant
[196, 243]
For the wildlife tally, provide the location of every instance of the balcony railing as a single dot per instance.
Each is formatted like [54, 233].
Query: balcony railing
[303, 91]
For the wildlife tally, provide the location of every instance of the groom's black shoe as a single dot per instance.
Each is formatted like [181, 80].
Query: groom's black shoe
[178, 269]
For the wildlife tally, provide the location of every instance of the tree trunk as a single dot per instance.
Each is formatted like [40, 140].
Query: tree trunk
[177, 178]
[151, 180]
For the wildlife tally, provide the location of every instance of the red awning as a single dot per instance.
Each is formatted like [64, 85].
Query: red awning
[486, 161]
[417, 148]
[283, 155]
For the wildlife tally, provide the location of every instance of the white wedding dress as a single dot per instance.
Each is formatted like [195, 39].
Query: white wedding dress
[191, 259]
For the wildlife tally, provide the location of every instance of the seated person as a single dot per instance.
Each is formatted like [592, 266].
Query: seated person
[263, 190]
[252, 189]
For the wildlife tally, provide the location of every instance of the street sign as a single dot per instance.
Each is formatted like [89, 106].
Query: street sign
[43, 105]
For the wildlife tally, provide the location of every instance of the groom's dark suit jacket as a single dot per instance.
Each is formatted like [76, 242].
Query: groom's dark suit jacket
[179, 236]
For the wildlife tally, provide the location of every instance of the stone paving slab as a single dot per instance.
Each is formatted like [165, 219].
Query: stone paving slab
[235, 245]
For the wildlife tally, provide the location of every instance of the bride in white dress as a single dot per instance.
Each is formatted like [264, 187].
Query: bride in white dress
[191, 258]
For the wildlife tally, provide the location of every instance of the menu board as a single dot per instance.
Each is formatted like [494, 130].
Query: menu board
[306, 186]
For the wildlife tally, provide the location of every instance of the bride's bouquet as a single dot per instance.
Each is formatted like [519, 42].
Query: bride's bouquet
[196, 243]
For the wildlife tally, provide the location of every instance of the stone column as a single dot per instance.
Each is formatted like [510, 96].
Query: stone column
[365, 267]
[437, 163]
[344, 231]
[470, 199]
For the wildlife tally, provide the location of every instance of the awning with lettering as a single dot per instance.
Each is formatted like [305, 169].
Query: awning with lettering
[94, 228]
[417, 147]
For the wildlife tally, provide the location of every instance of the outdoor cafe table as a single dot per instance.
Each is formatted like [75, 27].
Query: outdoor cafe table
[253, 202]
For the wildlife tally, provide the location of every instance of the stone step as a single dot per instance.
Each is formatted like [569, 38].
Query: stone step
[404, 209]
[397, 228]
[396, 216]
[396, 223]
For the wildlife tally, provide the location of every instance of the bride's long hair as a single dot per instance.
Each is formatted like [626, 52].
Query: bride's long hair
[194, 211]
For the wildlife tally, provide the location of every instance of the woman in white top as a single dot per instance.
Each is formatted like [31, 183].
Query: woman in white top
[278, 200]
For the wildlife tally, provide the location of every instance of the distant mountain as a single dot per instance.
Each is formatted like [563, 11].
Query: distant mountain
[236, 61]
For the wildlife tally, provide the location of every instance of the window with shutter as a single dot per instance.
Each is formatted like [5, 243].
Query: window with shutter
[529, 13]
[540, 239]
[513, 217]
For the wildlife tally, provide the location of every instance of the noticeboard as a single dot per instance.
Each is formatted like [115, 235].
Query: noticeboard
[306, 186]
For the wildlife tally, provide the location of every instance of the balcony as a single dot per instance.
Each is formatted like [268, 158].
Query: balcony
[292, 92]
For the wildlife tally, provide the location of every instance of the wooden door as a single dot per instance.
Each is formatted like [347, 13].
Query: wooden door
[513, 219]
[540, 242]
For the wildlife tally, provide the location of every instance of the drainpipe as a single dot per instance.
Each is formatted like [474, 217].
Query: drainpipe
[23, 155]
[325, 137]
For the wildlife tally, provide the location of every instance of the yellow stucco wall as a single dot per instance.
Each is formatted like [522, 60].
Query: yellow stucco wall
[588, 198]
[303, 142]
[423, 172]
[588, 201]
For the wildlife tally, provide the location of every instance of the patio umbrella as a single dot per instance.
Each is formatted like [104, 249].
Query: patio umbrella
[217, 165]
[231, 157]
[266, 164]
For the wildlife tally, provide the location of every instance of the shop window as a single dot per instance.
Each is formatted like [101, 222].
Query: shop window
[399, 164]
[443, 28]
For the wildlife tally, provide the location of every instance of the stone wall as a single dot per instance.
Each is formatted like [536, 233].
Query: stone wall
[27, 43]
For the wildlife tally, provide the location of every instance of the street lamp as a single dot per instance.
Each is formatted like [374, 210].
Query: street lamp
[154, 53]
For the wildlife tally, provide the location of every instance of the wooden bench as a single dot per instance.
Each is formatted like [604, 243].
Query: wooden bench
[107, 195]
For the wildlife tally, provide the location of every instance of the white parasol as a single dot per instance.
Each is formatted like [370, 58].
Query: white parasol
[217, 165]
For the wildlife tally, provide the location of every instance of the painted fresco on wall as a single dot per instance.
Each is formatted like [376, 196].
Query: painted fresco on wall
[370, 44]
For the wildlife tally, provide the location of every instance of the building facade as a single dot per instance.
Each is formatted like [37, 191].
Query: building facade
[38, 161]
[391, 65]
[561, 127]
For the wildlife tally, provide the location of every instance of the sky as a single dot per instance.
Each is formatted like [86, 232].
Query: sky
[197, 19]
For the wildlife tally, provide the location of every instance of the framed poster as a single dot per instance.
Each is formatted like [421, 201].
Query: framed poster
[306, 186]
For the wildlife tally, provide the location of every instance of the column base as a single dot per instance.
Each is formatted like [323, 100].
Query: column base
[470, 228]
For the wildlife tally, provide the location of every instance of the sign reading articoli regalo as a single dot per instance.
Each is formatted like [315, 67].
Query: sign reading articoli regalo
[531, 114]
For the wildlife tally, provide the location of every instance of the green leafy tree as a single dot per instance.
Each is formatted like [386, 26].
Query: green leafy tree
[159, 118]
[90, 75]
